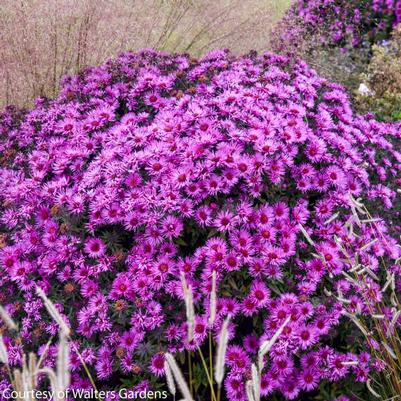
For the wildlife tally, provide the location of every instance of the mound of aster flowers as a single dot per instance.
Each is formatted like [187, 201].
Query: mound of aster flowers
[153, 166]
[337, 23]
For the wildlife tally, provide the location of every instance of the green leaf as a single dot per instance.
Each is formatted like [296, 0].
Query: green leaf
[180, 241]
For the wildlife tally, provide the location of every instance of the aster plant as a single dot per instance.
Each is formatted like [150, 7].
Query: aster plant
[347, 24]
[156, 186]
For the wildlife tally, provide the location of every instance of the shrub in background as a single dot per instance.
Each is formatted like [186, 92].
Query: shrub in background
[151, 167]
[336, 38]
[383, 80]
[314, 23]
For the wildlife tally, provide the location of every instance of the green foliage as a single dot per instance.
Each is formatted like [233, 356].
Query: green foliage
[383, 78]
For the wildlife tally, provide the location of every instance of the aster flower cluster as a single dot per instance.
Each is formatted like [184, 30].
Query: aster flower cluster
[338, 23]
[155, 166]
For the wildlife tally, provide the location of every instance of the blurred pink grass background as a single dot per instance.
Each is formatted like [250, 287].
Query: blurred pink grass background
[42, 40]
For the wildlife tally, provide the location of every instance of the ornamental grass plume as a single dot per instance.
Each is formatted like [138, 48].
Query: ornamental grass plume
[178, 376]
[169, 379]
[3, 351]
[11, 325]
[189, 307]
[370, 300]
[249, 391]
[221, 353]
[63, 372]
[267, 345]
[25, 380]
[6, 318]
[171, 369]
[53, 312]
[213, 300]
[256, 382]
